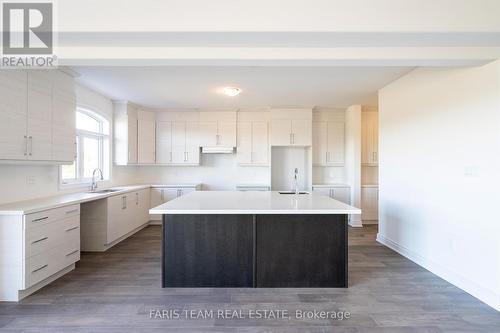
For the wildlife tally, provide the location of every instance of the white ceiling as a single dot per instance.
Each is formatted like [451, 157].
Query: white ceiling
[199, 87]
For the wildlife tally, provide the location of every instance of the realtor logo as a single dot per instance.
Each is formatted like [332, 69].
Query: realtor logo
[27, 28]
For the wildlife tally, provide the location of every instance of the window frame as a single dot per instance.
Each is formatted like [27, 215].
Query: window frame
[103, 139]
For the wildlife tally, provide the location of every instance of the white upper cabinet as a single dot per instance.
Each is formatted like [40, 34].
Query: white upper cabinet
[13, 114]
[253, 140]
[125, 133]
[291, 127]
[192, 143]
[328, 143]
[208, 133]
[336, 143]
[281, 132]
[63, 118]
[40, 115]
[328, 147]
[217, 129]
[260, 143]
[177, 141]
[244, 142]
[369, 138]
[226, 131]
[146, 139]
[185, 148]
[164, 142]
[320, 143]
[37, 116]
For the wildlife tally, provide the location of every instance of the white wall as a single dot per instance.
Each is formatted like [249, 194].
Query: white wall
[23, 182]
[216, 172]
[284, 161]
[440, 174]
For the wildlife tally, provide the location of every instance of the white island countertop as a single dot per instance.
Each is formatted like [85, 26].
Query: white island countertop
[253, 202]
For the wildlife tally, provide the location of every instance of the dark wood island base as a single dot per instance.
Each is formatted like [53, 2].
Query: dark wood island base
[255, 250]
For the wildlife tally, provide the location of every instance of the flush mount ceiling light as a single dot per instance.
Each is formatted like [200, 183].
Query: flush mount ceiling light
[231, 91]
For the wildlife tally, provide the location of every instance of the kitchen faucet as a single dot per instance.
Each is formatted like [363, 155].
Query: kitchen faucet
[94, 183]
[296, 180]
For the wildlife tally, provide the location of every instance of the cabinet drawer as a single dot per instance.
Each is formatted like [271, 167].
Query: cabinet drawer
[70, 251]
[44, 237]
[48, 216]
[45, 264]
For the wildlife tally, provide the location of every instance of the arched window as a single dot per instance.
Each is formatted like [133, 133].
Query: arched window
[92, 140]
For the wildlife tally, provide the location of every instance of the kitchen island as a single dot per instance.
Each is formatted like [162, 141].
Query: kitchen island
[254, 239]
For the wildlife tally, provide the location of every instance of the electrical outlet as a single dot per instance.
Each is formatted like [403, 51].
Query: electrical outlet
[471, 171]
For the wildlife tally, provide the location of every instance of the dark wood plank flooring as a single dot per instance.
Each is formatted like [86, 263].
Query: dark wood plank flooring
[115, 291]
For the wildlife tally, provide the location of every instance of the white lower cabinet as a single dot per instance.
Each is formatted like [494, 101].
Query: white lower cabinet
[160, 195]
[37, 248]
[340, 193]
[369, 203]
[107, 221]
[126, 213]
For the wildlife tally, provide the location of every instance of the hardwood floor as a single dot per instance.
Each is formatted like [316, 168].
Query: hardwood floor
[116, 290]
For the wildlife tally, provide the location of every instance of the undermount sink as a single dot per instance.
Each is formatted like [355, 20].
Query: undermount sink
[108, 190]
[292, 192]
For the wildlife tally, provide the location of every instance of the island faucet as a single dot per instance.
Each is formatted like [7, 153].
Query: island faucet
[296, 180]
[94, 183]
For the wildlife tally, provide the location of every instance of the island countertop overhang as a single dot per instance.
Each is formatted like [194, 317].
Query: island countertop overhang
[253, 202]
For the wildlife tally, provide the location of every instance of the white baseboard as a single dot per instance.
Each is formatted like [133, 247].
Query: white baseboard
[356, 223]
[485, 295]
[26, 292]
[155, 222]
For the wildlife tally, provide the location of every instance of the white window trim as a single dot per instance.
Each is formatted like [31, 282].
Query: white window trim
[86, 182]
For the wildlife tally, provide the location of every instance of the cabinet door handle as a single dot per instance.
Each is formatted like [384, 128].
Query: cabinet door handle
[71, 229]
[40, 219]
[30, 151]
[67, 255]
[25, 145]
[293, 138]
[40, 240]
[40, 268]
[72, 211]
[124, 202]
[137, 198]
[162, 195]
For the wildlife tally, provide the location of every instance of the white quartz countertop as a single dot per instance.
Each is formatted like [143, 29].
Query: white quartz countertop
[330, 185]
[253, 202]
[41, 204]
[252, 185]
